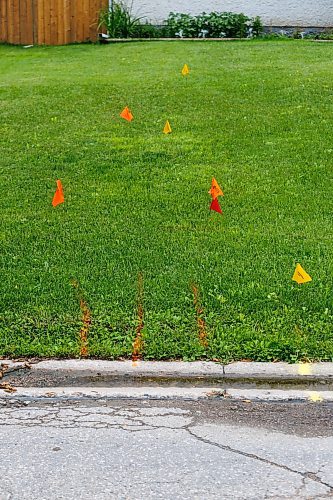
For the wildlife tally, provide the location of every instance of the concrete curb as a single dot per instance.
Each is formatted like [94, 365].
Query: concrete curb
[122, 370]
[95, 379]
[62, 394]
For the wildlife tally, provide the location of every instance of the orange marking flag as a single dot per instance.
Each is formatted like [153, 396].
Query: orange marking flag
[126, 114]
[58, 195]
[215, 190]
[216, 206]
[301, 276]
[167, 128]
[185, 70]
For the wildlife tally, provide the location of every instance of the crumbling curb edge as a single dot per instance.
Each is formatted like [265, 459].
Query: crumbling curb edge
[197, 373]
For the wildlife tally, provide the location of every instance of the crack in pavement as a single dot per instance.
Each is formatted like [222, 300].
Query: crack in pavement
[5, 495]
[71, 418]
[136, 417]
[305, 475]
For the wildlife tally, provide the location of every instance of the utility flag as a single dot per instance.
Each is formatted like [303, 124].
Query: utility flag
[126, 114]
[58, 195]
[185, 70]
[216, 206]
[301, 276]
[167, 128]
[215, 190]
[305, 369]
[315, 397]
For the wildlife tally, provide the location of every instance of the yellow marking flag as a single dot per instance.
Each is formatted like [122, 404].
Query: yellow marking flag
[305, 369]
[185, 70]
[167, 128]
[315, 397]
[301, 276]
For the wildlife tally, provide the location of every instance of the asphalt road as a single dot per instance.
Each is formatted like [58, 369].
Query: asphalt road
[153, 449]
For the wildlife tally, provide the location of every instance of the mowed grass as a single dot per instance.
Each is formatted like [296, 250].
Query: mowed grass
[256, 115]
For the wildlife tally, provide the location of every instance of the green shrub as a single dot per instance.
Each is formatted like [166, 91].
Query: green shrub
[257, 26]
[325, 35]
[183, 25]
[297, 34]
[213, 25]
[274, 36]
[146, 31]
[120, 22]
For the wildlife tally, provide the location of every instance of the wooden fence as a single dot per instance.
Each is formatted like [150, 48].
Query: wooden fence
[49, 22]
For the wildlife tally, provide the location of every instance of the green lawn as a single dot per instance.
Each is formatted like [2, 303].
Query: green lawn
[256, 115]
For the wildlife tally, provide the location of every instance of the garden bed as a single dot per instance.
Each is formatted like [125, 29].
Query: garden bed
[122, 40]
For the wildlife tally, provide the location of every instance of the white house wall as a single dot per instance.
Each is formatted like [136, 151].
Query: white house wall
[314, 13]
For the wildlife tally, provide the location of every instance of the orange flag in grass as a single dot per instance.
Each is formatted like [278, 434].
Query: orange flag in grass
[216, 206]
[58, 195]
[215, 190]
[126, 114]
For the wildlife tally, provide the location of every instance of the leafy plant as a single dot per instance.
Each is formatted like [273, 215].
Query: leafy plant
[146, 30]
[213, 25]
[257, 26]
[297, 34]
[182, 25]
[119, 20]
[324, 35]
[273, 36]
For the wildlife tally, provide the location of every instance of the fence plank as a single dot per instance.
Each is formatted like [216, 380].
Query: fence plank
[95, 8]
[3, 21]
[73, 21]
[53, 22]
[30, 25]
[79, 20]
[32, 18]
[67, 21]
[9, 8]
[40, 22]
[85, 20]
[16, 22]
[60, 22]
[22, 21]
[91, 10]
[10, 21]
[49, 22]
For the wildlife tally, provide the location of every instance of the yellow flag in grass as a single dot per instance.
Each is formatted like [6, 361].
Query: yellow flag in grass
[185, 70]
[167, 128]
[301, 276]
